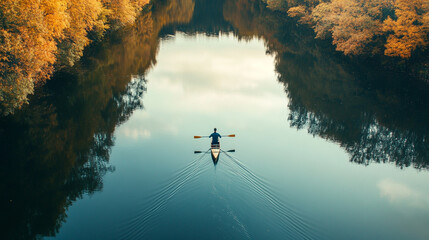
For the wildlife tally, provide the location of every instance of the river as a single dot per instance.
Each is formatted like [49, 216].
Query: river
[325, 146]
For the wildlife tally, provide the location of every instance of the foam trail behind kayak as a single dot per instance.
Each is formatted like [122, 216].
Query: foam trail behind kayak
[145, 219]
[293, 224]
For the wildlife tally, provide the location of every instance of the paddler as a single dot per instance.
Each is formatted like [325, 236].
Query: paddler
[215, 137]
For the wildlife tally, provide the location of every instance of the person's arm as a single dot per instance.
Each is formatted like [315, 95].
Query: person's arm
[211, 135]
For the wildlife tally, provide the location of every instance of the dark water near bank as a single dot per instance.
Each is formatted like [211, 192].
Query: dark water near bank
[327, 147]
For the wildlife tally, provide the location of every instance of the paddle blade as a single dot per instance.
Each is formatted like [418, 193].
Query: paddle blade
[232, 150]
[195, 152]
[201, 136]
[231, 135]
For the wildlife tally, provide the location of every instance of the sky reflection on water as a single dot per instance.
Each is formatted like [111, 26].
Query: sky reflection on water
[203, 82]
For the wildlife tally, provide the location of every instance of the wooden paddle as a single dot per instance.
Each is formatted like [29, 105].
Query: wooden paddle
[231, 135]
[201, 136]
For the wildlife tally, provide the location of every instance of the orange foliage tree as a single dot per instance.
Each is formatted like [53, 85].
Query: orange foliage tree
[84, 16]
[124, 11]
[410, 29]
[28, 33]
[352, 24]
[355, 25]
[36, 34]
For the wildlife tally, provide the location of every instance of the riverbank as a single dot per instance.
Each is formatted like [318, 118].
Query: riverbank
[40, 37]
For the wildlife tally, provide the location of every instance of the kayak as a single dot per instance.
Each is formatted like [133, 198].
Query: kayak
[215, 150]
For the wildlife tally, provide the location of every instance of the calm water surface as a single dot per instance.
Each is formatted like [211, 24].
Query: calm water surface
[323, 148]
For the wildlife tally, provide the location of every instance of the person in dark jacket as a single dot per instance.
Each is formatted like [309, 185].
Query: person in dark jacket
[215, 137]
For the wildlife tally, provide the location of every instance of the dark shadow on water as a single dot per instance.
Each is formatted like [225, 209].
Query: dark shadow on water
[56, 150]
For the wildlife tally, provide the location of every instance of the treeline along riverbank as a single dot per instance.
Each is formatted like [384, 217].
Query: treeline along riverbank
[40, 37]
[56, 149]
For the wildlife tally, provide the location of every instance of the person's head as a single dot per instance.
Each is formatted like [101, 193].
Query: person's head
[215, 129]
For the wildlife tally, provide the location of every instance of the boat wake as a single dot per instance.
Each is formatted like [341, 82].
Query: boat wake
[254, 193]
[146, 218]
[288, 219]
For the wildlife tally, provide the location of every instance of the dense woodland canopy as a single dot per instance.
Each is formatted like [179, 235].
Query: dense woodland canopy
[392, 27]
[36, 35]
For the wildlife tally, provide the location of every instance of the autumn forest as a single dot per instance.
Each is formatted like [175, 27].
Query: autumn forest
[394, 28]
[99, 99]
[38, 37]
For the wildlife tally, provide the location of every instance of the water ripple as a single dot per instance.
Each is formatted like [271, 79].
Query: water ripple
[286, 218]
[289, 219]
[145, 218]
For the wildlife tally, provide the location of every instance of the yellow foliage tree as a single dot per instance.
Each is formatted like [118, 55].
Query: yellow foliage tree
[124, 11]
[410, 29]
[85, 15]
[300, 12]
[352, 24]
[36, 34]
[28, 33]
[355, 24]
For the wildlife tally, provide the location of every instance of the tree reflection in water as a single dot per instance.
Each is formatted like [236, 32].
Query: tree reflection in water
[49, 160]
[57, 149]
[374, 108]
